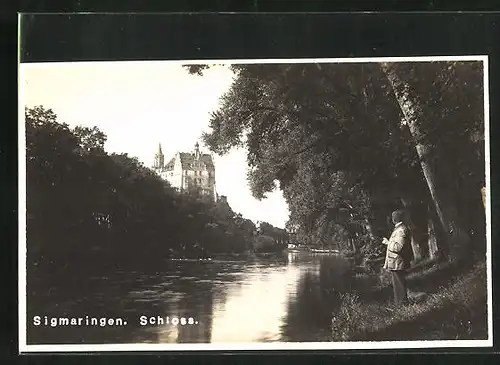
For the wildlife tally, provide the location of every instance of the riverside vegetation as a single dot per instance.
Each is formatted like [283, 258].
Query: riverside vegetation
[452, 307]
[345, 143]
[85, 205]
[349, 143]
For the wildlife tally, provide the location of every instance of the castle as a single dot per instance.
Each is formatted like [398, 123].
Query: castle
[187, 170]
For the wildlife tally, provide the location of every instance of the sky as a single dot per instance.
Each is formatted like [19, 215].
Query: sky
[141, 104]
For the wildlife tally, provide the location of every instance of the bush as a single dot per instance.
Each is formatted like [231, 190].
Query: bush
[370, 248]
[349, 317]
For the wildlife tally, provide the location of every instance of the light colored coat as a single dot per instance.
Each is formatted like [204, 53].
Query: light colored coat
[398, 249]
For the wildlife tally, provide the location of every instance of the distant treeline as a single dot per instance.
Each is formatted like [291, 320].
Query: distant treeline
[87, 208]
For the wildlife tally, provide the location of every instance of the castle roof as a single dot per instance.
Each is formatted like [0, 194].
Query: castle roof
[187, 160]
[170, 164]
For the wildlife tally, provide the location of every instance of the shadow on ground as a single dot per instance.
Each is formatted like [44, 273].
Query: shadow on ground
[422, 279]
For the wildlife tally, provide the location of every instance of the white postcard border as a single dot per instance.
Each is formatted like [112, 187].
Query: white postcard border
[25, 348]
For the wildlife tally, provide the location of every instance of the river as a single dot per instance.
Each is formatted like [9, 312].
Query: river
[286, 298]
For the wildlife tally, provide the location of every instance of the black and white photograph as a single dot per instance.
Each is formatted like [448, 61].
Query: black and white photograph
[255, 204]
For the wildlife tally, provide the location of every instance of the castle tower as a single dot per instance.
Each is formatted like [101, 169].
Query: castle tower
[159, 161]
[197, 151]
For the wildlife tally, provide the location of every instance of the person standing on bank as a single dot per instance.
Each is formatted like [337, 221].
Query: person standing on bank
[398, 256]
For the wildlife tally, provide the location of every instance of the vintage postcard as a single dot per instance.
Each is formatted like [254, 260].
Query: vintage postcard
[254, 204]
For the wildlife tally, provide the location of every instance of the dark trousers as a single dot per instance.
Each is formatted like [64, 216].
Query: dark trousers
[399, 285]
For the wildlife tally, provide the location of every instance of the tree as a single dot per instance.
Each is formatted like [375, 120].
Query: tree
[91, 212]
[303, 141]
[328, 135]
[413, 114]
[91, 139]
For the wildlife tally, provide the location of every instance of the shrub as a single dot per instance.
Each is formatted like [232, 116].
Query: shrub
[349, 317]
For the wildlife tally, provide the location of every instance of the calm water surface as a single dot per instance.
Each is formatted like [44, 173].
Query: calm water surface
[286, 298]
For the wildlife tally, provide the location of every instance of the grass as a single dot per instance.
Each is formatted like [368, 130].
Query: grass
[453, 307]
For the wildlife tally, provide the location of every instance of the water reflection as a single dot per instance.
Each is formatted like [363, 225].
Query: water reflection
[288, 298]
[310, 311]
[254, 311]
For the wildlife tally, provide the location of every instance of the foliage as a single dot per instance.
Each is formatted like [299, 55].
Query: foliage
[109, 208]
[451, 96]
[453, 312]
[371, 249]
[332, 138]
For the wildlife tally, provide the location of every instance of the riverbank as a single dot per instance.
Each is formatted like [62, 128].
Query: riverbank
[448, 302]
[227, 257]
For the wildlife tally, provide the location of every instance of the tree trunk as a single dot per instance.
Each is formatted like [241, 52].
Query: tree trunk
[353, 245]
[421, 221]
[432, 240]
[410, 107]
[483, 196]
[369, 229]
[415, 245]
